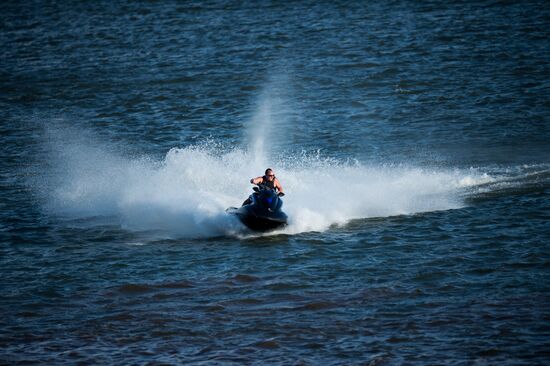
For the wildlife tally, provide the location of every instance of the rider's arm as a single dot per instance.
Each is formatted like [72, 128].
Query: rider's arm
[278, 186]
[257, 180]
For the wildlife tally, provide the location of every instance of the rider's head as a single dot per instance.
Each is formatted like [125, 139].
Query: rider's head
[269, 174]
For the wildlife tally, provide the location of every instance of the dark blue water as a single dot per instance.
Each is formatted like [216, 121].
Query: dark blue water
[411, 140]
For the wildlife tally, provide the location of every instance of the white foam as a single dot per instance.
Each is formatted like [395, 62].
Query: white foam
[187, 192]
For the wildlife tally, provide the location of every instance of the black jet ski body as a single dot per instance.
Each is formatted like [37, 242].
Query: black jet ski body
[263, 213]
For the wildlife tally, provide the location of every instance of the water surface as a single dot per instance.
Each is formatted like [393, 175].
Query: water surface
[411, 140]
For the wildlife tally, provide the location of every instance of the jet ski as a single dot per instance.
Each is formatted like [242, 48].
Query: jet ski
[262, 211]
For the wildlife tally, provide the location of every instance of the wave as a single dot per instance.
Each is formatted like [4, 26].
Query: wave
[507, 181]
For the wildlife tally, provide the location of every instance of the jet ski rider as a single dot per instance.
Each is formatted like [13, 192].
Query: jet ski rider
[269, 180]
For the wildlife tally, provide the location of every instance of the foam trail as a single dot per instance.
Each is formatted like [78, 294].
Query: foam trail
[334, 194]
[184, 196]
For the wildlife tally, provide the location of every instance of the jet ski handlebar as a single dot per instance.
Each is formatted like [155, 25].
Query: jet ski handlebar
[263, 187]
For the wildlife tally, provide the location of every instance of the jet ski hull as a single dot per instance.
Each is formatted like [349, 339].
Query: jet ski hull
[258, 222]
[262, 210]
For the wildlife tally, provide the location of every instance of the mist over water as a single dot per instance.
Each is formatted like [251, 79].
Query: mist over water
[186, 193]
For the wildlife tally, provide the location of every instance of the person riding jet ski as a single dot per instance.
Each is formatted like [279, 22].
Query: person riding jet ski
[268, 180]
[262, 210]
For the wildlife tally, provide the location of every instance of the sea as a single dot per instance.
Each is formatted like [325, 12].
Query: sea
[412, 140]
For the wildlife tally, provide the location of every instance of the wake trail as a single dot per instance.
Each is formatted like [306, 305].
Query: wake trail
[186, 193]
